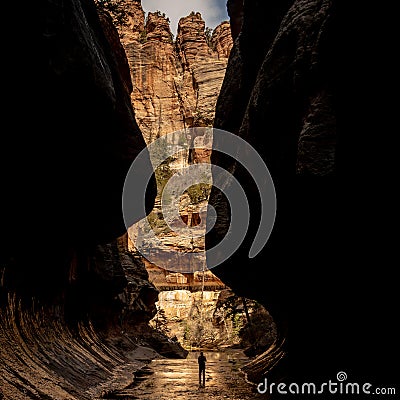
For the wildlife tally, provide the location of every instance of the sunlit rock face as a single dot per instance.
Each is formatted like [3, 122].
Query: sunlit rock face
[212, 317]
[190, 317]
[175, 81]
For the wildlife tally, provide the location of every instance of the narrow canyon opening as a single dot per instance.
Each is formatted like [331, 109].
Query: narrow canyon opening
[89, 309]
[87, 326]
[176, 84]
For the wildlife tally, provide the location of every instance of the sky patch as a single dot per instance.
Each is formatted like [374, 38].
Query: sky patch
[212, 11]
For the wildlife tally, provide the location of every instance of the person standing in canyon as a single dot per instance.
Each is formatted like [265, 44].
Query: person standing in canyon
[202, 368]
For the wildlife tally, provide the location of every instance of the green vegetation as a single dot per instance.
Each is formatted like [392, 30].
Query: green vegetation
[116, 8]
[199, 192]
[160, 14]
[258, 331]
[157, 223]
[160, 322]
[143, 37]
[163, 174]
[208, 34]
[198, 328]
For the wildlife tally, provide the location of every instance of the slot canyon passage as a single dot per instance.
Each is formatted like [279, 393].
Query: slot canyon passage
[82, 314]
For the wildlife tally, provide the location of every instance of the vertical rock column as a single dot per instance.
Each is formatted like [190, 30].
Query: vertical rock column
[175, 84]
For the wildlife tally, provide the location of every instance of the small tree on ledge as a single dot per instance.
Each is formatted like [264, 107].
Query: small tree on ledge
[116, 8]
[160, 322]
[208, 33]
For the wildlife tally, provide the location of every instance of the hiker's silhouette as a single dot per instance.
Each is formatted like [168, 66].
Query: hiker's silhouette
[202, 368]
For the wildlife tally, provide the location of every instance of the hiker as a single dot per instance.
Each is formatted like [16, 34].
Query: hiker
[202, 368]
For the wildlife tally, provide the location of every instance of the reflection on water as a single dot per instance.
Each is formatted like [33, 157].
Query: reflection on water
[168, 379]
[228, 355]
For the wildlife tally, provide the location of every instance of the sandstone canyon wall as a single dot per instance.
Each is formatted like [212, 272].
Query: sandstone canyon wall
[175, 82]
[75, 303]
[299, 81]
[66, 281]
[71, 136]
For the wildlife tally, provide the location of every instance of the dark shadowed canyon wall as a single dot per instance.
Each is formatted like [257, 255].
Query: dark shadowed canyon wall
[302, 86]
[67, 285]
[74, 302]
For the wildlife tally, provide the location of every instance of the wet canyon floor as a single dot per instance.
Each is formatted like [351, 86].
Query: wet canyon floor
[164, 379]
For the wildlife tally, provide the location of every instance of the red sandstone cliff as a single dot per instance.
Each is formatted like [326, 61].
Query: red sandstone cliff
[175, 83]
